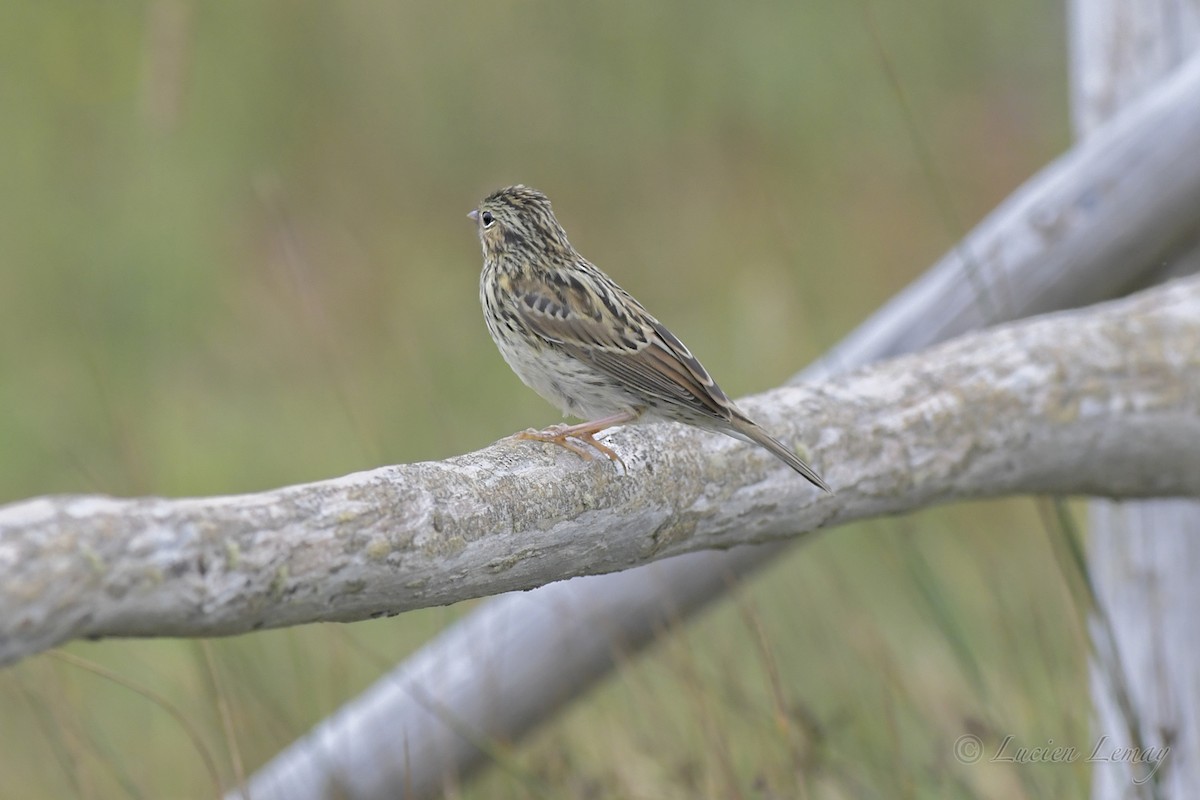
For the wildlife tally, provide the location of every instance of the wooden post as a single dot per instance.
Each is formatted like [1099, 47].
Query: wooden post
[1144, 556]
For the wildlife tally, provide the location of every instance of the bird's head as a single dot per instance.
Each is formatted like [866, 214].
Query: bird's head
[517, 221]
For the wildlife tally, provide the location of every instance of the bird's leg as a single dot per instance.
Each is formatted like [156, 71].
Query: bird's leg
[583, 432]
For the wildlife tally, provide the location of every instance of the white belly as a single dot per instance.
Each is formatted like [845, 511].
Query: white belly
[567, 383]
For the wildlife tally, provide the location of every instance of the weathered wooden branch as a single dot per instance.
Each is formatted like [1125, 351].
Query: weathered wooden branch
[1099, 401]
[1142, 556]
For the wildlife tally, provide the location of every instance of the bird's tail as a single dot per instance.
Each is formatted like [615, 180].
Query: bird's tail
[747, 429]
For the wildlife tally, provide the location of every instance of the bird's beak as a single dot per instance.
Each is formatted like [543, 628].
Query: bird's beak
[474, 215]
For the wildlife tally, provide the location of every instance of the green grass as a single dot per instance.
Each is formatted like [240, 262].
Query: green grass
[235, 257]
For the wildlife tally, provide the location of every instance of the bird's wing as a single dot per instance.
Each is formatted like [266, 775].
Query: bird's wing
[599, 323]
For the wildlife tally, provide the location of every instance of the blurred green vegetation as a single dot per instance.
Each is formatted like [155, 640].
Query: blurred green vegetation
[235, 257]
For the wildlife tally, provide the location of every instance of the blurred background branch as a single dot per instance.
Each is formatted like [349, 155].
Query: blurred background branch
[1086, 226]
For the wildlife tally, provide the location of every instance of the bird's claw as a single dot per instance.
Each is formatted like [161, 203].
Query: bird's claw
[566, 436]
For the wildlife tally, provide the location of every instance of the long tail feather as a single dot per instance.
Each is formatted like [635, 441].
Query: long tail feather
[781, 451]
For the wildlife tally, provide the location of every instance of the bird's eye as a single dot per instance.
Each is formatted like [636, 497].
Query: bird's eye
[488, 219]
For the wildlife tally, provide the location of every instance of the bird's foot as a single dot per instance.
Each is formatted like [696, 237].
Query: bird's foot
[569, 437]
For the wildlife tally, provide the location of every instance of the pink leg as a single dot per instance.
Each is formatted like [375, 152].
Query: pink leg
[583, 432]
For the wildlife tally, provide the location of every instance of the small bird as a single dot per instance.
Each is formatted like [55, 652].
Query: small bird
[584, 344]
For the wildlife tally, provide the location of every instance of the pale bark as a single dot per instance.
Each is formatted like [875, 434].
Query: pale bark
[1142, 556]
[1104, 400]
[1086, 227]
